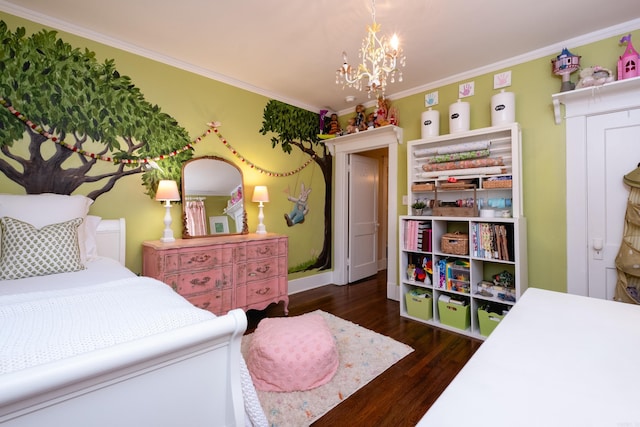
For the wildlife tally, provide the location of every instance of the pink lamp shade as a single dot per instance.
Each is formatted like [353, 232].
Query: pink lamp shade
[167, 191]
[260, 194]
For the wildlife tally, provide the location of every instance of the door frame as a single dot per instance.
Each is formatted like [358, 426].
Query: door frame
[579, 105]
[340, 148]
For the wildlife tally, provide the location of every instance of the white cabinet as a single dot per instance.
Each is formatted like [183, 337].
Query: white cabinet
[468, 270]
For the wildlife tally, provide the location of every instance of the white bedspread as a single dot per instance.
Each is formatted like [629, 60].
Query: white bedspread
[87, 318]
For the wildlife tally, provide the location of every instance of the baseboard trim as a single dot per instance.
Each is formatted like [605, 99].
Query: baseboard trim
[310, 282]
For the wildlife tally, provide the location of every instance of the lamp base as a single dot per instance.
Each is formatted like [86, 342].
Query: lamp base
[261, 228]
[167, 234]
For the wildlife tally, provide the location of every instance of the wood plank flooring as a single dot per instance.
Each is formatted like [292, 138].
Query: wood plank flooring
[402, 394]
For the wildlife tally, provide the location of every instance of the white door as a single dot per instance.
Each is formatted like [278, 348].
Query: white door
[363, 217]
[613, 150]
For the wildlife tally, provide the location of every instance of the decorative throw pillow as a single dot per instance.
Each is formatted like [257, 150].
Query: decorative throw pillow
[46, 209]
[28, 251]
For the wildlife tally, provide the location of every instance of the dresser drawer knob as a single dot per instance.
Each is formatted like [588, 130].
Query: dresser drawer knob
[198, 282]
[263, 291]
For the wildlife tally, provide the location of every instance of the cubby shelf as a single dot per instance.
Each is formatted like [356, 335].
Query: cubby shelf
[476, 249]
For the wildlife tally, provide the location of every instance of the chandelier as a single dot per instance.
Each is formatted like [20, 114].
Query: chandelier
[380, 59]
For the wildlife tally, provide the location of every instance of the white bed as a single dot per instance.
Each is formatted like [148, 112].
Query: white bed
[133, 365]
[555, 360]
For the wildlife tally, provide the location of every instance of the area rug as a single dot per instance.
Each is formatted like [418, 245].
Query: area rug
[363, 354]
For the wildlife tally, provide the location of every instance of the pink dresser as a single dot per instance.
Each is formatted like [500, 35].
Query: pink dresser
[220, 273]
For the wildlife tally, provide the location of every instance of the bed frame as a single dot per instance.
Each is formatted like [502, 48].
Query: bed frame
[189, 377]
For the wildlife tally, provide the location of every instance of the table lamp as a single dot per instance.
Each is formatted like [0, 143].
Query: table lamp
[260, 194]
[167, 192]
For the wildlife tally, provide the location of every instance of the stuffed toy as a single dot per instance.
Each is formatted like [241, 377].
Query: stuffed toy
[594, 76]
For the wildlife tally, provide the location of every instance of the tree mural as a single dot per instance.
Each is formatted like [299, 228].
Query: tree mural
[295, 127]
[66, 92]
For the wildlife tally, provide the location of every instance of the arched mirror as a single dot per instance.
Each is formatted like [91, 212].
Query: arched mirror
[212, 198]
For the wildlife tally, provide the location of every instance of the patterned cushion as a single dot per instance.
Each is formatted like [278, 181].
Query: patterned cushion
[28, 251]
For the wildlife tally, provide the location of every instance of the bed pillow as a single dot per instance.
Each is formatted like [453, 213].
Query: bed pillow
[45, 209]
[91, 223]
[28, 251]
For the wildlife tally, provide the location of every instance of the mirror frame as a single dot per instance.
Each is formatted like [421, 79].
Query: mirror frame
[185, 232]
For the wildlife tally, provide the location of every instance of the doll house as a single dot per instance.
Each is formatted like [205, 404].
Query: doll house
[628, 62]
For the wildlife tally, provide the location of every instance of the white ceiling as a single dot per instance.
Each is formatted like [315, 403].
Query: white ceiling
[290, 49]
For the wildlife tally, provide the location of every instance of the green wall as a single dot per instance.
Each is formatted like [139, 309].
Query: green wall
[543, 147]
[195, 100]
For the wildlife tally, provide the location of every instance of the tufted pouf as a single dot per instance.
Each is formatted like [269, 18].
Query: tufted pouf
[292, 353]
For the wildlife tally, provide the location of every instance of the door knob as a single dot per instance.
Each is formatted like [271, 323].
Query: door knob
[597, 244]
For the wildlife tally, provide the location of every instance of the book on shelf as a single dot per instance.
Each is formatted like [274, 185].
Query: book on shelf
[492, 241]
[415, 232]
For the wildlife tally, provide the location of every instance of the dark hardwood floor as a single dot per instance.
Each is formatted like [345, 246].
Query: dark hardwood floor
[402, 394]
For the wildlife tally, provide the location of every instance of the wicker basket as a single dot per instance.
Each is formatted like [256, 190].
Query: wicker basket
[498, 183]
[455, 243]
[422, 187]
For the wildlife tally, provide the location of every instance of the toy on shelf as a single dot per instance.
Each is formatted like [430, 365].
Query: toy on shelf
[628, 62]
[563, 65]
[594, 76]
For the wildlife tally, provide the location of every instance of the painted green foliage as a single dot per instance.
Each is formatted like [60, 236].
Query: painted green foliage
[71, 95]
[295, 127]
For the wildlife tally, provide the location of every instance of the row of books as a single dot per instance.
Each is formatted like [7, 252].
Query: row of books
[492, 241]
[417, 235]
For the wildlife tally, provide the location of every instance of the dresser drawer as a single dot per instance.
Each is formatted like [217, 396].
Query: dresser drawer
[256, 270]
[268, 248]
[256, 292]
[205, 259]
[201, 281]
[217, 302]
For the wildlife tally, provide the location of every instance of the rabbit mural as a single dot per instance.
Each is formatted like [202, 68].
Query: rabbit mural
[300, 208]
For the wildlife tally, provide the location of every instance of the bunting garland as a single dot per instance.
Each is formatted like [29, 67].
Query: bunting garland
[213, 127]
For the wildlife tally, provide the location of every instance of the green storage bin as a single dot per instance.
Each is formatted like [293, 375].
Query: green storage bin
[488, 321]
[455, 315]
[419, 306]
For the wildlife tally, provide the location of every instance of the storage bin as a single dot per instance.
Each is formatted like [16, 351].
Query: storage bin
[419, 306]
[488, 321]
[455, 243]
[455, 315]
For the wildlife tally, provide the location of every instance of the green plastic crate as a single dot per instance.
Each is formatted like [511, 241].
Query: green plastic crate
[488, 321]
[455, 315]
[420, 307]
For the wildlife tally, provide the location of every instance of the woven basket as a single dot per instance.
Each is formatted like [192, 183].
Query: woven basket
[455, 243]
[422, 187]
[499, 183]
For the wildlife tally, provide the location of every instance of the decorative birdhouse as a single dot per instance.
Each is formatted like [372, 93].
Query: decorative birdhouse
[629, 61]
[563, 65]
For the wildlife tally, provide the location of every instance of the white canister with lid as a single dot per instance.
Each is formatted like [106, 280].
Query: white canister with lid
[459, 117]
[503, 108]
[430, 123]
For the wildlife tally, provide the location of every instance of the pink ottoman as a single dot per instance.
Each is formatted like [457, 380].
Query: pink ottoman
[292, 353]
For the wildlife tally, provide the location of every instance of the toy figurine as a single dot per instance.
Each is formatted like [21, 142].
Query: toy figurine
[381, 112]
[371, 121]
[334, 126]
[351, 127]
[360, 122]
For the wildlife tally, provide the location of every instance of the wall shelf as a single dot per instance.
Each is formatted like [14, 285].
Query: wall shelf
[595, 99]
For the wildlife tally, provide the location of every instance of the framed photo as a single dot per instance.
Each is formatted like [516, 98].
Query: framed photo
[218, 224]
